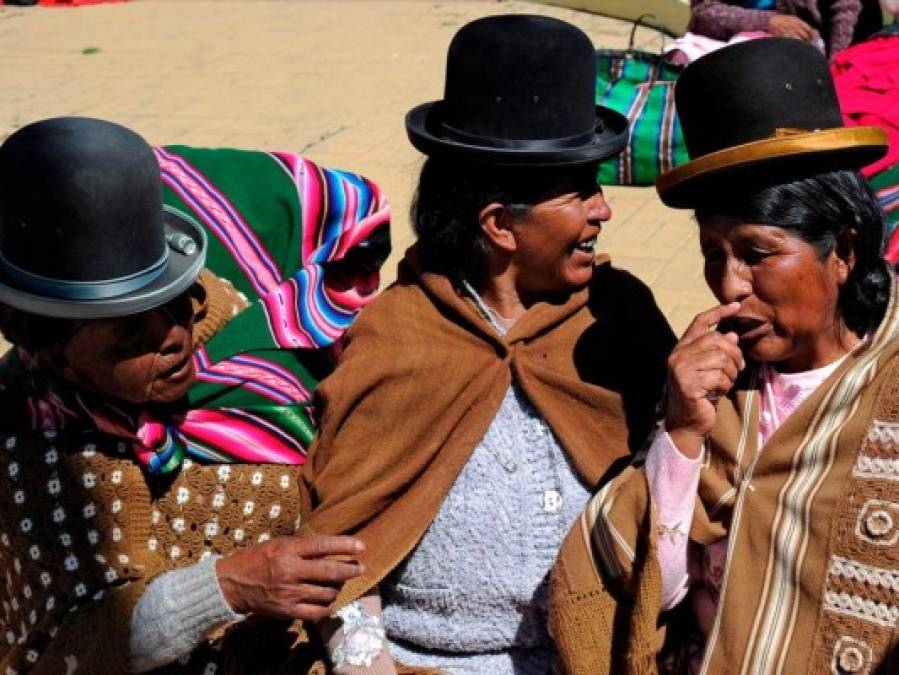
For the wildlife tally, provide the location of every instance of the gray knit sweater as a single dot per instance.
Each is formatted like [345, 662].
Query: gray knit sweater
[472, 596]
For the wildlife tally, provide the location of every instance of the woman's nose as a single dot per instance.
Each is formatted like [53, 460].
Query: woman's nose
[172, 320]
[736, 282]
[598, 208]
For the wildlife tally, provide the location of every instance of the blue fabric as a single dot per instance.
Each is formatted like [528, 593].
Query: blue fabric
[758, 4]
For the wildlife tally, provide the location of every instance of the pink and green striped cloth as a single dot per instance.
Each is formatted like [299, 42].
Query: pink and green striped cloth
[304, 244]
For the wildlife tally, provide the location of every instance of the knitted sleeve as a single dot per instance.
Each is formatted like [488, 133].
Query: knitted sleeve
[722, 20]
[843, 18]
[178, 609]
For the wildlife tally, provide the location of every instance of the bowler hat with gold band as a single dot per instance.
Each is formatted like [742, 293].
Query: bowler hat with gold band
[761, 112]
[83, 231]
[520, 91]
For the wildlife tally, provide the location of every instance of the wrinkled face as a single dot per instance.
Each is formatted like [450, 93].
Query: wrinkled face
[144, 358]
[788, 293]
[556, 243]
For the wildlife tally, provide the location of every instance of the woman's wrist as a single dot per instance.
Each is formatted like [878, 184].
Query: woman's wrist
[688, 442]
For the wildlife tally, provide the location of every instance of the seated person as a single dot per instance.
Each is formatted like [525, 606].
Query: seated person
[827, 23]
[485, 394]
[154, 416]
[762, 531]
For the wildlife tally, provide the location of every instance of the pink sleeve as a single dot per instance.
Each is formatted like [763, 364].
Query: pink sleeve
[673, 480]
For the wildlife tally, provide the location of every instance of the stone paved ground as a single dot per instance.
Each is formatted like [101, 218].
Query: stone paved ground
[330, 78]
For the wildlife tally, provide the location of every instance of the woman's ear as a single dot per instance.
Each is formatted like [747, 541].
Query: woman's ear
[496, 224]
[844, 253]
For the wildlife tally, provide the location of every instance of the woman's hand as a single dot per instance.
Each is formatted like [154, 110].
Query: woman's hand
[289, 577]
[704, 365]
[787, 25]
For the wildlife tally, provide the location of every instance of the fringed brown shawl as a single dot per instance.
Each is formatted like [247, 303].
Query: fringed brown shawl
[423, 376]
[812, 579]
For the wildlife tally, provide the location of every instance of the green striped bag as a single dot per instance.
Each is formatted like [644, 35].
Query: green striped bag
[640, 85]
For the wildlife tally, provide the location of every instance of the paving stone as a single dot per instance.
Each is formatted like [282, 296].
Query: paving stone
[333, 78]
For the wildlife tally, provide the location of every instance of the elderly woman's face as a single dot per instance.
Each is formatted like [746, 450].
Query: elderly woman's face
[788, 294]
[556, 243]
[145, 358]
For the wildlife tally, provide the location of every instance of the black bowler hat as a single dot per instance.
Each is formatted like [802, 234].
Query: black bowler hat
[761, 112]
[83, 231]
[520, 90]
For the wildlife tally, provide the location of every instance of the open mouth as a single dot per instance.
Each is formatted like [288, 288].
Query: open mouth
[178, 371]
[587, 246]
[748, 328]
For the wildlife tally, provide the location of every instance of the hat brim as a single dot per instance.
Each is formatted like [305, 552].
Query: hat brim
[771, 160]
[179, 274]
[423, 125]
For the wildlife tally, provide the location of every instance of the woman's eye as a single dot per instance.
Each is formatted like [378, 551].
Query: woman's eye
[755, 256]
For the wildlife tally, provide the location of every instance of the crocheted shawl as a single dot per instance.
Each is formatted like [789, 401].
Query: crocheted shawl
[423, 376]
[811, 583]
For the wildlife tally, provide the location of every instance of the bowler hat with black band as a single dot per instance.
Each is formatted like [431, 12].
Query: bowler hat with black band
[757, 113]
[520, 91]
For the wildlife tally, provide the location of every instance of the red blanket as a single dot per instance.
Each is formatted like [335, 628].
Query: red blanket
[867, 81]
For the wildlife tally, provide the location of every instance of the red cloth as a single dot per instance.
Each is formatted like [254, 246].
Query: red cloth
[867, 81]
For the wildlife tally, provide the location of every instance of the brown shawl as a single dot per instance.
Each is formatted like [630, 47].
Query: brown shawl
[423, 376]
[812, 578]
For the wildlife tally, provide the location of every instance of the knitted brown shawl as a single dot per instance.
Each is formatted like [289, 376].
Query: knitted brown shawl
[423, 376]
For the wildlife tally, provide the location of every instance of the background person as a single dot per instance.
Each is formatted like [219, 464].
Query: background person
[833, 22]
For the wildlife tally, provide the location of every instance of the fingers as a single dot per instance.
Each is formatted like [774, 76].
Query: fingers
[315, 594]
[309, 612]
[707, 320]
[321, 546]
[711, 345]
[716, 360]
[330, 571]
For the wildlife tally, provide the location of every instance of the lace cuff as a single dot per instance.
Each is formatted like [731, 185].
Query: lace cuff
[361, 639]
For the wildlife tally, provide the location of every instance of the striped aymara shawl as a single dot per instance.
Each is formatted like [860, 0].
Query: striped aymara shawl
[811, 583]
